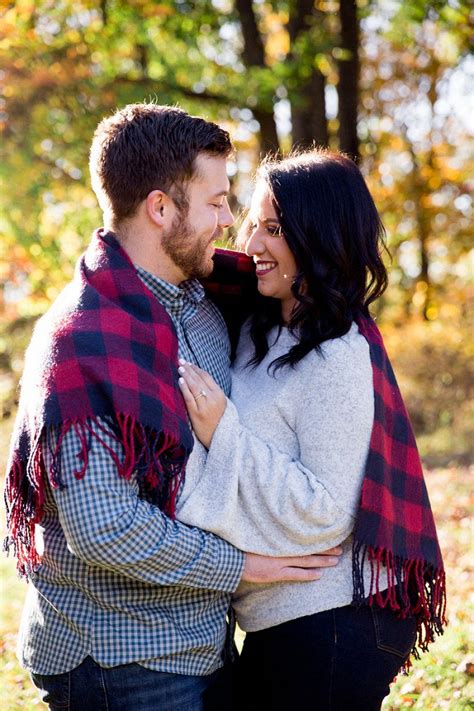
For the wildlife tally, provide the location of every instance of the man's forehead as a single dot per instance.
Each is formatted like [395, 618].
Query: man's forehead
[214, 186]
[220, 193]
[211, 167]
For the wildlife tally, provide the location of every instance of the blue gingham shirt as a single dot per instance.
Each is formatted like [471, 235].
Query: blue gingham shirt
[120, 581]
[202, 333]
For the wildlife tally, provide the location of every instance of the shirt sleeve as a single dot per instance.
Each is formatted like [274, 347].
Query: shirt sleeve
[265, 501]
[107, 525]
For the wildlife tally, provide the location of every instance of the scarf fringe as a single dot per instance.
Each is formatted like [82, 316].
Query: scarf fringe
[156, 459]
[415, 588]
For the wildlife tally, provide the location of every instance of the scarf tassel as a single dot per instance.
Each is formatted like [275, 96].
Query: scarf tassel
[156, 459]
[415, 588]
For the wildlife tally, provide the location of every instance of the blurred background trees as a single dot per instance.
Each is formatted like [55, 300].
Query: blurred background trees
[387, 82]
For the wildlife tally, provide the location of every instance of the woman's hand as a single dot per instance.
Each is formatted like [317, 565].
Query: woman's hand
[204, 399]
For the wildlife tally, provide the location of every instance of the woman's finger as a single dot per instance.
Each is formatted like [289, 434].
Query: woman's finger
[193, 380]
[198, 389]
[189, 398]
[207, 379]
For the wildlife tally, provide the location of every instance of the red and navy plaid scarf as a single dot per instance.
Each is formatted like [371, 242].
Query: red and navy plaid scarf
[106, 350]
[394, 526]
[394, 530]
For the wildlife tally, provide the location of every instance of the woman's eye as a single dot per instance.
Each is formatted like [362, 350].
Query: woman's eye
[275, 231]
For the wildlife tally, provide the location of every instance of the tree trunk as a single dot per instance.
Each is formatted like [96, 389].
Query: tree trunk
[308, 102]
[348, 85]
[309, 119]
[268, 134]
[253, 55]
[142, 56]
[419, 190]
[103, 11]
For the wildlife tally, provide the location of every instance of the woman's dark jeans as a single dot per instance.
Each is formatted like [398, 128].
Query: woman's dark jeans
[338, 660]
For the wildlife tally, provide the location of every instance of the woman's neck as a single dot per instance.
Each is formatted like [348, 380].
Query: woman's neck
[287, 307]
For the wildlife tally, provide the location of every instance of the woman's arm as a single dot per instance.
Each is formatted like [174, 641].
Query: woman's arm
[262, 499]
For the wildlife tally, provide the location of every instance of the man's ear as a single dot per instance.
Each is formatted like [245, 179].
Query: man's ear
[158, 207]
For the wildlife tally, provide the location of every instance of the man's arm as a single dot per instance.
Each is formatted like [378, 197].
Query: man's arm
[107, 525]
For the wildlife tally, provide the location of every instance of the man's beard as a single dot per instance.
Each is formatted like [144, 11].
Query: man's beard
[182, 245]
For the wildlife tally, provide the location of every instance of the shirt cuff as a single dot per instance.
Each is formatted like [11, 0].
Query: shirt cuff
[228, 568]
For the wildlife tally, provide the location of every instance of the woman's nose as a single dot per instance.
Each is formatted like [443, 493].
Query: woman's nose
[254, 245]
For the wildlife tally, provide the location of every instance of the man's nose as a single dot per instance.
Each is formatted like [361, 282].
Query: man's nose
[226, 218]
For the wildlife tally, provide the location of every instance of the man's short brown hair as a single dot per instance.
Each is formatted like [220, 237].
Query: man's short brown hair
[145, 147]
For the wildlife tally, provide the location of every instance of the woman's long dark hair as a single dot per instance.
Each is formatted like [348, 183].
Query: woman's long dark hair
[333, 229]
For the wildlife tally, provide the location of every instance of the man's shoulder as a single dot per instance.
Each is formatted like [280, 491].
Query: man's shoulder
[208, 306]
[58, 316]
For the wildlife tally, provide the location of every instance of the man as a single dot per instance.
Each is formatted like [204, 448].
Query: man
[127, 606]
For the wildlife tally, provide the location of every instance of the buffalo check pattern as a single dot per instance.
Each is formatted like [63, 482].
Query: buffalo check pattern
[152, 590]
[232, 286]
[395, 526]
[106, 349]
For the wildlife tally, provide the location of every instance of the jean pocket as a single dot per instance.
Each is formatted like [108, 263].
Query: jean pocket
[393, 634]
[54, 689]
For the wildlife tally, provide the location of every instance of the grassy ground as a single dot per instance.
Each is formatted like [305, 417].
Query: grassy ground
[442, 679]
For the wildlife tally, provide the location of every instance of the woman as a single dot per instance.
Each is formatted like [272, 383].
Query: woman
[316, 418]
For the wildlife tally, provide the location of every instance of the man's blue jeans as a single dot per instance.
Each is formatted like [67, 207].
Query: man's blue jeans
[129, 687]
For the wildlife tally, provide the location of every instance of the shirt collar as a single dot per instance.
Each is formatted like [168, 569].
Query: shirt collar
[169, 294]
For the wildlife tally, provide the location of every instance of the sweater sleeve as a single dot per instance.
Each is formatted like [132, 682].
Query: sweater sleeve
[107, 525]
[263, 500]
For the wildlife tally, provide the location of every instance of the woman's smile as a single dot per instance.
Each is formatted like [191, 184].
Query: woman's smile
[264, 267]
[265, 241]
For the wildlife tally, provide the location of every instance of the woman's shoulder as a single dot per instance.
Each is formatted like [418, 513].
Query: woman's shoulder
[345, 354]
[342, 369]
[351, 342]
[342, 357]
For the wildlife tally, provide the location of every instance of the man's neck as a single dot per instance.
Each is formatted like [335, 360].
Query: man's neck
[144, 250]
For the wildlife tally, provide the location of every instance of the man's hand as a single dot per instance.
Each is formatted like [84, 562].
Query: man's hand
[264, 569]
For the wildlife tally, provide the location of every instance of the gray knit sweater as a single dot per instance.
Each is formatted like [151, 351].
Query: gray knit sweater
[284, 470]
